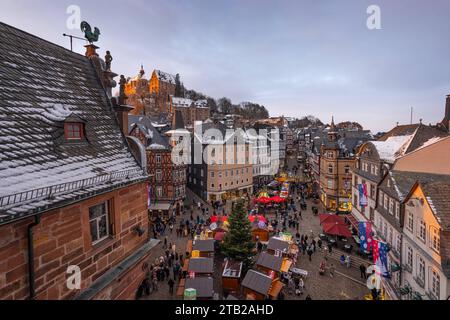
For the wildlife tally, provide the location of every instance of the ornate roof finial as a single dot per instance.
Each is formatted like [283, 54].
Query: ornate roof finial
[88, 34]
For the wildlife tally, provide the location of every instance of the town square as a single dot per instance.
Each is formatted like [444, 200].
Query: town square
[130, 171]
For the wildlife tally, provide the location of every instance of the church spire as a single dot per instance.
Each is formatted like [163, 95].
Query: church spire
[141, 72]
[332, 134]
[332, 127]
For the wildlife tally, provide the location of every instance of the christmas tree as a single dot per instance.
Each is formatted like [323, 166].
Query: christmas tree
[238, 244]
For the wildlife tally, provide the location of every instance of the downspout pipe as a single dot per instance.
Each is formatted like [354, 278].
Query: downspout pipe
[31, 273]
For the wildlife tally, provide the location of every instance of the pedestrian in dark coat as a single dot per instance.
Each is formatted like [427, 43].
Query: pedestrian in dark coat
[171, 284]
[363, 270]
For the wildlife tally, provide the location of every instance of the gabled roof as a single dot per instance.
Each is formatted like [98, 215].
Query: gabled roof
[277, 244]
[155, 139]
[393, 147]
[201, 265]
[181, 102]
[41, 85]
[203, 245]
[270, 261]
[437, 192]
[257, 282]
[421, 135]
[165, 77]
[203, 285]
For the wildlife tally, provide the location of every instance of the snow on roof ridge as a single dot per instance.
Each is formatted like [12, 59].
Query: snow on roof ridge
[393, 147]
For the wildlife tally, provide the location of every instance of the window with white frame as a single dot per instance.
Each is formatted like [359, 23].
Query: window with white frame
[330, 184]
[99, 222]
[158, 175]
[410, 224]
[330, 168]
[212, 174]
[409, 257]
[397, 211]
[380, 200]
[398, 243]
[422, 231]
[435, 284]
[158, 159]
[385, 202]
[159, 192]
[391, 206]
[435, 239]
[421, 269]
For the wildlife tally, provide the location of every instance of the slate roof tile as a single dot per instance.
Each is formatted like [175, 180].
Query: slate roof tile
[41, 84]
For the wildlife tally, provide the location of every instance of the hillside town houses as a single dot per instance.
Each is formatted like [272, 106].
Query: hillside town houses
[91, 178]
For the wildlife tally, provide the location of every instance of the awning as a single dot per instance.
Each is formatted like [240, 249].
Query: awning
[353, 221]
[160, 206]
[336, 229]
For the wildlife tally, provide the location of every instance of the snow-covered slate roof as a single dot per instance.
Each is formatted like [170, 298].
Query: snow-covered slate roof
[181, 102]
[165, 77]
[392, 147]
[155, 139]
[41, 84]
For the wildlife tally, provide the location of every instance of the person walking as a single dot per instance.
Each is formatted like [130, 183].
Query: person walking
[363, 270]
[171, 284]
[310, 253]
[348, 261]
[342, 260]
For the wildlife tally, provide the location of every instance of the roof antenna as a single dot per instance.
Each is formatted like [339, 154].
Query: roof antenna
[412, 110]
[71, 39]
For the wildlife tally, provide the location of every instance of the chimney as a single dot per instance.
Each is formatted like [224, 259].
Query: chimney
[91, 50]
[446, 121]
[120, 107]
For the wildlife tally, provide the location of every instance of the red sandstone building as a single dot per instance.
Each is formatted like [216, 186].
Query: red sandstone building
[71, 191]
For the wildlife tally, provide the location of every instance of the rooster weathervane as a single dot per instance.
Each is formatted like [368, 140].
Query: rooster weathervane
[88, 34]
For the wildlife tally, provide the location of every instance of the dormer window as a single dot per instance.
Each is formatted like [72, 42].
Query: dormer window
[74, 128]
[74, 131]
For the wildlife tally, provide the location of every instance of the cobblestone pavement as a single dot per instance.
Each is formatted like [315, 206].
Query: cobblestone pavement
[345, 285]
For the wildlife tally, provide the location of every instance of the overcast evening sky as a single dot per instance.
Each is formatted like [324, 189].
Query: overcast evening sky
[295, 57]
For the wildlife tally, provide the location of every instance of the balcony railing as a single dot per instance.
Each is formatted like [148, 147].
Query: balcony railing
[51, 191]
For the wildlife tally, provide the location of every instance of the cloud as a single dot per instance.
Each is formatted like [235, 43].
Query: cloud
[294, 57]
